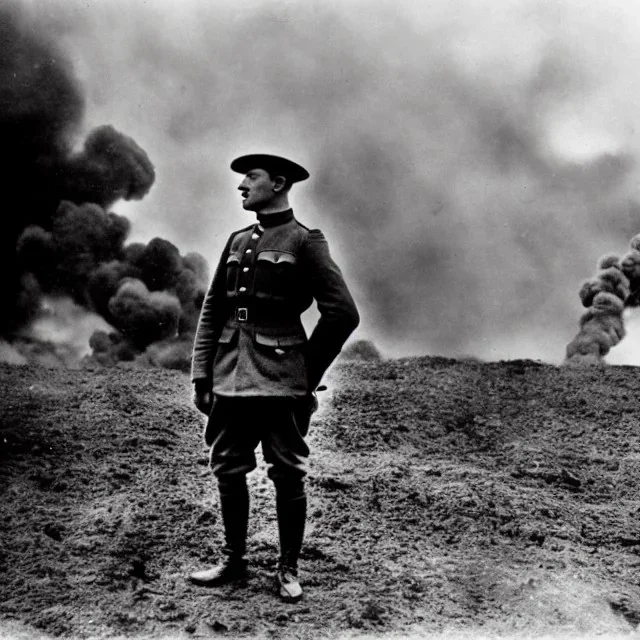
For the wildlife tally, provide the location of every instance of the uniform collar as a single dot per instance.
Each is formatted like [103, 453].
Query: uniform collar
[275, 219]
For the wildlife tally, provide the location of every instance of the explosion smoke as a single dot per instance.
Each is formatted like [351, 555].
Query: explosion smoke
[615, 287]
[463, 155]
[59, 238]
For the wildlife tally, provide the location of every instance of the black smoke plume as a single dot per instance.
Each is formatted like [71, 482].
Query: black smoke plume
[59, 238]
[615, 287]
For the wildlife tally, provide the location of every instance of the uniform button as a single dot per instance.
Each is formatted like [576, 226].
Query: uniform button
[254, 236]
[245, 269]
[248, 251]
[242, 289]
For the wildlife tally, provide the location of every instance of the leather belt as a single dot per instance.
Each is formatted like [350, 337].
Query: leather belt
[247, 314]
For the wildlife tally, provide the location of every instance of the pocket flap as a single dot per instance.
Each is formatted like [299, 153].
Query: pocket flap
[279, 341]
[277, 256]
[233, 257]
[227, 335]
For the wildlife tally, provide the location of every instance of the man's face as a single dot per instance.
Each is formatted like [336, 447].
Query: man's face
[257, 190]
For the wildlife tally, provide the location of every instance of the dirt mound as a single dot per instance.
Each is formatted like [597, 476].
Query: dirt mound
[446, 497]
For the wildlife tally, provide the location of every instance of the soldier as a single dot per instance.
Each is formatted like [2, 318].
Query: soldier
[254, 370]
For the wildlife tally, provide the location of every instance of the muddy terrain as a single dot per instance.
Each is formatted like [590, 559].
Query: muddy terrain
[448, 498]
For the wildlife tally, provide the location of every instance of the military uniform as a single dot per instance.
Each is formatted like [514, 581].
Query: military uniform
[251, 349]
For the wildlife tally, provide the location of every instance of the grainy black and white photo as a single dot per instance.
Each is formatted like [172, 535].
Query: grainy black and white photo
[320, 319]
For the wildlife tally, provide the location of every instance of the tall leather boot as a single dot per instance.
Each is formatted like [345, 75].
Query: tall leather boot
[292, 514]
[234, 506]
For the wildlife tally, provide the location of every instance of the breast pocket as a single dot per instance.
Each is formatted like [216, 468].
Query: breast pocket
[275, 273]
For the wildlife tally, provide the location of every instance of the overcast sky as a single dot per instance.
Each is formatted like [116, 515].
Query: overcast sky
[471, 160]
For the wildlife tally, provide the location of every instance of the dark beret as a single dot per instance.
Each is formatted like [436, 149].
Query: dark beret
[275, 165]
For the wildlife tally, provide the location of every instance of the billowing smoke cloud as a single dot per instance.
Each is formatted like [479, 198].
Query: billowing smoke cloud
[468, 158]
[110, 167]
[616, 286]
[62, 247]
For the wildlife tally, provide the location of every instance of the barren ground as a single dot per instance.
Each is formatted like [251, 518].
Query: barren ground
[447, 498]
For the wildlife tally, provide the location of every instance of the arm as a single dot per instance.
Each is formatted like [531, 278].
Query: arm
[338, 314]
[212, 318]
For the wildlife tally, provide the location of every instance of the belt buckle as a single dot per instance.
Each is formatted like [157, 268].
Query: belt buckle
[242, 314]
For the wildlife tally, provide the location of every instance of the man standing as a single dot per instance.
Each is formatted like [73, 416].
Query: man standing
[255, 372]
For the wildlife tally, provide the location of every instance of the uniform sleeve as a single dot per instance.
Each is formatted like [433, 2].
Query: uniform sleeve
[338, 313]
[212, 319]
